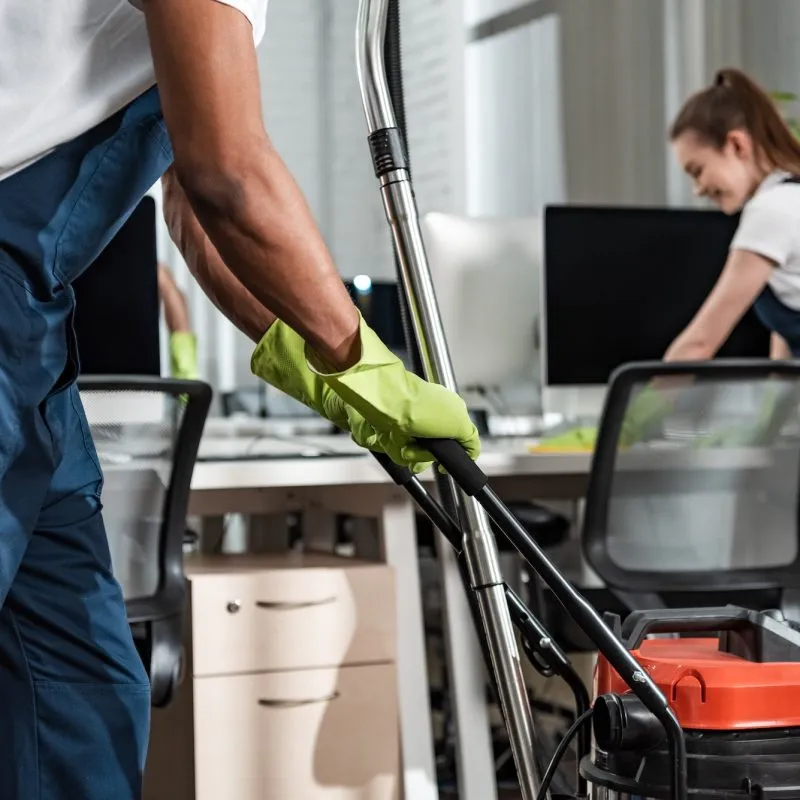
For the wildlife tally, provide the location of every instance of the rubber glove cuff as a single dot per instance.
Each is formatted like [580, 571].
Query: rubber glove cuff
[279, 359]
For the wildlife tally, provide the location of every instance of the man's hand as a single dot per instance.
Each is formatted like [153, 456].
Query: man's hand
[237, 185]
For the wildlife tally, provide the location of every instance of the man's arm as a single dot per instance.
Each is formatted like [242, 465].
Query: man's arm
[238, 187]
[224, 290]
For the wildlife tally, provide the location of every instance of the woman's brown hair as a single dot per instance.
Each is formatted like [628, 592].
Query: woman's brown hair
[735, 102]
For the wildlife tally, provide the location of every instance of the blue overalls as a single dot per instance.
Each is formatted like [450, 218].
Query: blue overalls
[776, 315]
[74, 696]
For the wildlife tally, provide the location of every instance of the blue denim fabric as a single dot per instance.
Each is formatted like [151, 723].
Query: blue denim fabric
[74, 696]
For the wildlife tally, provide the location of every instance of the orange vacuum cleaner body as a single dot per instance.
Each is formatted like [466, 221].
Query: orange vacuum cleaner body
[733, 682]
[710, 690]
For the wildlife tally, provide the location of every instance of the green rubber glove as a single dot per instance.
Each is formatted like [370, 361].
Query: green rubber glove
[183, 355]
[776, 407]
[401, 407]
[281, 359]
[647, 409]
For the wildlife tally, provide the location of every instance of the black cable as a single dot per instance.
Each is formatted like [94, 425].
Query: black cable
[393, 62]
[561, 751]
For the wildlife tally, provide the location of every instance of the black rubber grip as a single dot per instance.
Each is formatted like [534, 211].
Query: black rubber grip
[641, 624]
[452, 456]
[402, 476]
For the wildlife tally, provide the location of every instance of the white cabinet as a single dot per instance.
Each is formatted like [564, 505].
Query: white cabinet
[291, 685]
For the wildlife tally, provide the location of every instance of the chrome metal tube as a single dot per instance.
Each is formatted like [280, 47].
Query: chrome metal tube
[479, 544]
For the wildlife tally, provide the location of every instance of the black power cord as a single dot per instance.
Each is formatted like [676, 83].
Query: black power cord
[561, 751]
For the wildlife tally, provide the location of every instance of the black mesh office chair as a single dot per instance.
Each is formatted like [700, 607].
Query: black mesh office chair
[147, 433]
[702, 508]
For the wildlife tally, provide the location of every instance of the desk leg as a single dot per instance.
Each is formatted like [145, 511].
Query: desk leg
[398, 532]
[468, 681]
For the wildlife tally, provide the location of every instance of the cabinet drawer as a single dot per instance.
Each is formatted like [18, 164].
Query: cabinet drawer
[304, 735]
[292, 619]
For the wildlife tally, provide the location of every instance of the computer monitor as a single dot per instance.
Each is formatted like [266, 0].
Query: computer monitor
[118, 308]
[621, 283]
[486, 273]
[379, 303]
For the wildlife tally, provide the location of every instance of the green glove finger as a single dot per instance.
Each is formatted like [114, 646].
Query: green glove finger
[394, 400]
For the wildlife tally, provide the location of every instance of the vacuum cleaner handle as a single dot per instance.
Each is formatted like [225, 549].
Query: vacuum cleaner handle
[452, 456]
[640, 624]
[473, 482]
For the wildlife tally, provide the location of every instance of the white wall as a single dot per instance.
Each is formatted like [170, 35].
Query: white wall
[569, 107]
[612, 61]
[514, 128]
[358, 235]
[772, 42]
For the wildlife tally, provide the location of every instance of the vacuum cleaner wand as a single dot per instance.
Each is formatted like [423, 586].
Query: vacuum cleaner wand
[542, 650]
[480, 549]
[465, 482]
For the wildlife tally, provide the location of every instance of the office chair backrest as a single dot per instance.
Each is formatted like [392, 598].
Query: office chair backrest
[147, 433]
[695, 478]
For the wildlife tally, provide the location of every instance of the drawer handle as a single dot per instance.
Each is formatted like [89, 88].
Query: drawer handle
[292, 606]
[296, 703]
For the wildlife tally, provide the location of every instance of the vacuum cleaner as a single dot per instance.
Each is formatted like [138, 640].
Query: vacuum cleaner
[713, 714]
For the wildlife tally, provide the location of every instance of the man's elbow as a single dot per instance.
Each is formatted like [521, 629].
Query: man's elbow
[222, 187]
[213, 189]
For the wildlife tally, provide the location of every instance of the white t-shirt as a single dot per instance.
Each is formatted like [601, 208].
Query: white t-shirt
[770, 227]
[66, 65]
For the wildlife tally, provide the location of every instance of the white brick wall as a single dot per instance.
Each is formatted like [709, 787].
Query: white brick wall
[291, 85]
[359, 235]
[428, 64]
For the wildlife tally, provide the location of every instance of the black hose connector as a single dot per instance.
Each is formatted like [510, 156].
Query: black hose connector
[393, 62]
[388, 151]
[623, 723]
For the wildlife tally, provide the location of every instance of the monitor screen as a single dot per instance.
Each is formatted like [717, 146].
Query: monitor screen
[622, 283]
[379, 303]
[118, 308]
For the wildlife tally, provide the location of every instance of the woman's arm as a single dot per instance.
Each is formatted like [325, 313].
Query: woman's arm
[737, 288]
[778, 349]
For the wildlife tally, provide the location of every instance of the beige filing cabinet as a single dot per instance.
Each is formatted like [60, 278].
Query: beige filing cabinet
[290, 690]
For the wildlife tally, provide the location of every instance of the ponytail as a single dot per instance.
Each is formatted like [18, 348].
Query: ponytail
[735, 102]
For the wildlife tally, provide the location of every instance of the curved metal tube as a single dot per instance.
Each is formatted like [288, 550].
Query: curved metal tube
[479, 546]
